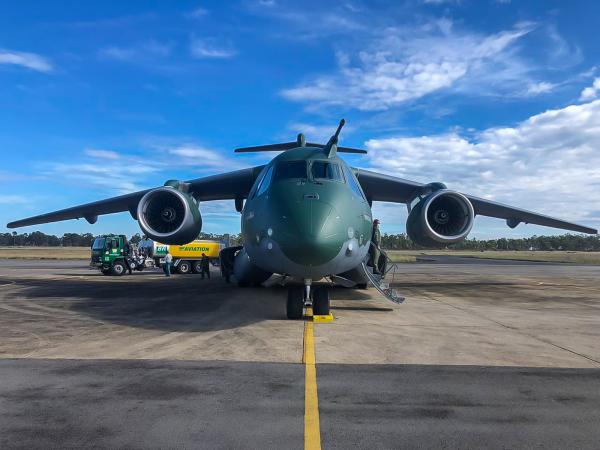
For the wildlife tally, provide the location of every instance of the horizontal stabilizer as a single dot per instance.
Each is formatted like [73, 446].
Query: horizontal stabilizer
[289, 145]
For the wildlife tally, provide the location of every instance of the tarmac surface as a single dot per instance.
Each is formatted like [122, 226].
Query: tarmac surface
[479, 355]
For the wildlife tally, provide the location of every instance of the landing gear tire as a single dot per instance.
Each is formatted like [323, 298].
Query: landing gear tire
[362, 285]
[184, 267]
[295, 303]
[321, 302]
[118, 268]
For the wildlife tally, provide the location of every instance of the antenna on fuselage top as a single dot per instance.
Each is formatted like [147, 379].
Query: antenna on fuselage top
[331, 148]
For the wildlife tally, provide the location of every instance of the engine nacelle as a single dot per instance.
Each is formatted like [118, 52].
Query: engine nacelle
[443, 217]
[169, 216]
[245, 272]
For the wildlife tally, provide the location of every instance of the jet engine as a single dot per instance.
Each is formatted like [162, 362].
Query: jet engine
[441, 218]
[170, 216]
[245, 272]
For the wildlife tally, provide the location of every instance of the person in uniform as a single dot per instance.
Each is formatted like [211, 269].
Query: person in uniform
[167, 265]
[374, 249]
[204, 266]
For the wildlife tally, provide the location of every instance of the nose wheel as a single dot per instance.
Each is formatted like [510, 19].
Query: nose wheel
[295, 303]
[321, 301]
[298, 296]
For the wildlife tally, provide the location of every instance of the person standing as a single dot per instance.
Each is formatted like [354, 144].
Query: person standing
[205, 266]
[374, 249]
[168, 262]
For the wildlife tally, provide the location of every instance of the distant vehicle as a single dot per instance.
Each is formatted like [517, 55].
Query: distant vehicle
[111, 253]
[186, 258]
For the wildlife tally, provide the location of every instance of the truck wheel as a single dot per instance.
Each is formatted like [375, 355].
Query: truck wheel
[184, 267]
[118, 268]
[105, 271]
[197, 267]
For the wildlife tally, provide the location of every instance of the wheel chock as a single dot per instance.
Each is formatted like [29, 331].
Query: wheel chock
[323, 319]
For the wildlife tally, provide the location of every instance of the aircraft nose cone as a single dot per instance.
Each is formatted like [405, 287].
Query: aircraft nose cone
[315, 234]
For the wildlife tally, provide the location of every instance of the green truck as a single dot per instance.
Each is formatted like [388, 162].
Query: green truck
[112, 254]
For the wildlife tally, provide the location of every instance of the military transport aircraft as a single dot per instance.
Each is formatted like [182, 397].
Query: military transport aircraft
[306, 215]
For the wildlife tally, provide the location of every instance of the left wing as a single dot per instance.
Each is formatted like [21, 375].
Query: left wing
[230, 185]
[386, 188]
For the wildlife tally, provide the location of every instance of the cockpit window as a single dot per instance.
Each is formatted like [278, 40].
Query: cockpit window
[356, 190]
[265, 182]
[324, 170]
[290, 169]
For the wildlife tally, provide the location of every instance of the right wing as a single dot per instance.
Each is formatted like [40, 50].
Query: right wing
[387, 188]
[230, 185]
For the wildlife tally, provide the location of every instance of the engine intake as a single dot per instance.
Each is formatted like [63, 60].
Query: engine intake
[169, 216]
[443, 217]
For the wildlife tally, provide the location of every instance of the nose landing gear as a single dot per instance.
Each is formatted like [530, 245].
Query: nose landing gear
[299, 296]
[321, 301]
[295, 302]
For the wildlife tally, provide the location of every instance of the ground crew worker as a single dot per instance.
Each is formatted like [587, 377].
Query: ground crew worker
[127, 251]
[167, 264]
[204, 266]
[226, 269]
[374, 250]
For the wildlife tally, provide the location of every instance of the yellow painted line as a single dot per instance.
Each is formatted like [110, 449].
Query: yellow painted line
[312, 429]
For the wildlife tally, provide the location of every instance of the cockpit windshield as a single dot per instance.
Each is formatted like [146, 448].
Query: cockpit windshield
[290, 169]
[324, 170]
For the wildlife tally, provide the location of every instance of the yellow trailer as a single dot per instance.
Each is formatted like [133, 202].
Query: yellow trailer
[186, 258]
[194, 250]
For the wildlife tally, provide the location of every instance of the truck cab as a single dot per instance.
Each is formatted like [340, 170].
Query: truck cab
[109, 253]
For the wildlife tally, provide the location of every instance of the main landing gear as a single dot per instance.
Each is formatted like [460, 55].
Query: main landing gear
[299, 296]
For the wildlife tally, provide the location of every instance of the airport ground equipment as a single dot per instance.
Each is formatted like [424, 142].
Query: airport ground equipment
[305, 215]
[186, 257]
[112, 253]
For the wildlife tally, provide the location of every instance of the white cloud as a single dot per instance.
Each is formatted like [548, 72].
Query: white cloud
[197, 13]
[404, 64]
[101, 154]
[13, 200]
[209, 48]
[192, 154]
[590, 93]
[549, 163]
[440, 2]
[542, 87]
[29, 60]
[142, 51]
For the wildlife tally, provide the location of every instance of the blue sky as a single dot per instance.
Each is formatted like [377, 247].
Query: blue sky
[495, 98]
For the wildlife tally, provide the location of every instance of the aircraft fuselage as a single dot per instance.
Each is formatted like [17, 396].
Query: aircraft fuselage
[306, 216]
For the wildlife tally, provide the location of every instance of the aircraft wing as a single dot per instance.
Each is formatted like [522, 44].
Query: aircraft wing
[386, 188]
[224, 186]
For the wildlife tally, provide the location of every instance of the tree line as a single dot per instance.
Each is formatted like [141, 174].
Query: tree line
[388, 241]
[39, 239]
[573, 242]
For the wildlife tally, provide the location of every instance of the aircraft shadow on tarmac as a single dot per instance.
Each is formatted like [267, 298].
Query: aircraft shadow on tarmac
[181, 303]
[184, 303]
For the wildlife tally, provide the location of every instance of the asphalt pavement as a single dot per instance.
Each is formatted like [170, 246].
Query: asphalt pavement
[479, 355]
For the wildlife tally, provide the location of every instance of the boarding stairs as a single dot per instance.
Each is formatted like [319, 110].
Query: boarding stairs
[378, 280]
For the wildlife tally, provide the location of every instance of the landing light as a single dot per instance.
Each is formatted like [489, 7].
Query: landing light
[270, 231]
